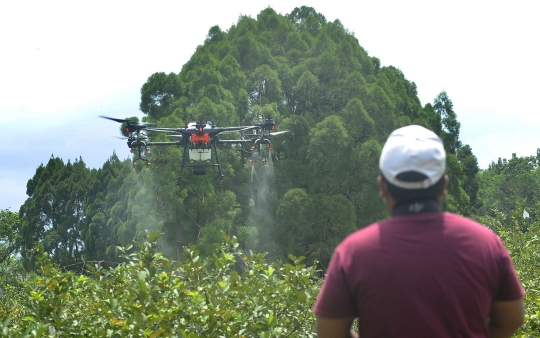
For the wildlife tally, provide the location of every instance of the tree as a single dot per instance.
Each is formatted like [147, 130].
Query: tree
[470, 173]
[361, 185]
[10, 225]
[362, 126]
[313, 225]
[53, 213]
[333, 220]
[159, 93]
[308, 18]
[99, 234]
[328, 155]
[265, 86]
[457, 199]
[450, 126]
[507, 184]
[306, 93]
[381, 109]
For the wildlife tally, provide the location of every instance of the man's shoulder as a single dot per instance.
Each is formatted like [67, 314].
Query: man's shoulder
[452, 222]
[364, 236]
[465, 223]
[447, 218]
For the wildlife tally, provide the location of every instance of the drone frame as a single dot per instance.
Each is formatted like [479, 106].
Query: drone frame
[198, 137]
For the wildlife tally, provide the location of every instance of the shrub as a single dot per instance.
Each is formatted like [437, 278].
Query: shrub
[232, 294]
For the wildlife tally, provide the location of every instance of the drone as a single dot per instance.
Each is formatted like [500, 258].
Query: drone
[199, 140]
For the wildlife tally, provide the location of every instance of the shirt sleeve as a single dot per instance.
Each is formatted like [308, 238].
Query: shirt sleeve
[510, 287]
[335, 299]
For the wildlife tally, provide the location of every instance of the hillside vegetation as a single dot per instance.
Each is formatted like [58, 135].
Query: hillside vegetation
[315, 80]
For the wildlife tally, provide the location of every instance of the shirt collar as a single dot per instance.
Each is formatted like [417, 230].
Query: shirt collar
[416, 207]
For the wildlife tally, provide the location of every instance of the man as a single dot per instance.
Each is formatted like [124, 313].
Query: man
[422, 272]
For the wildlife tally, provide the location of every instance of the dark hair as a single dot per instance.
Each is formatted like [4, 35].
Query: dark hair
[402, 195]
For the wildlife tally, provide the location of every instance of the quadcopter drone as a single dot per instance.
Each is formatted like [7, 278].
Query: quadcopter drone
[199, 140]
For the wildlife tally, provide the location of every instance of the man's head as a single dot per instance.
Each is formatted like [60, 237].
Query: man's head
[412, 165]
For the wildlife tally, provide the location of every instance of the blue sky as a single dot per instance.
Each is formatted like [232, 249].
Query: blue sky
[63, 63]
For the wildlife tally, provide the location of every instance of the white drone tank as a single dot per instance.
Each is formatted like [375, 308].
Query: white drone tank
[200, 155]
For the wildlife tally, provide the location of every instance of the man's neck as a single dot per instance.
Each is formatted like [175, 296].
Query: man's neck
[416, 206]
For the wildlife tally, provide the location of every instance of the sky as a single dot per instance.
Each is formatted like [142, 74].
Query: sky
[64, 63]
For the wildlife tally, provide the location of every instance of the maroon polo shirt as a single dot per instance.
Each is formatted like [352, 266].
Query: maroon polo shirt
[430, 274]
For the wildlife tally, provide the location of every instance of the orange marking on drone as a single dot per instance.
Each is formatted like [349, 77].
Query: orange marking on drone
[204, 138]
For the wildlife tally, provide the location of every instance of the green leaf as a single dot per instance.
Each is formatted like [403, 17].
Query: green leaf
[157, 333]
[153, 236]
[142, 281]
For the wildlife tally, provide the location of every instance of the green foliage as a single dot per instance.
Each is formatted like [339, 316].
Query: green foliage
[457, 199]
[231, 294]
[53, 213]
[462, 166]
[159, 93]
[521, 237]
[10, 238]
[11, 268]
[450, 126]
[313, 225]
[509, 182]
[509, 195]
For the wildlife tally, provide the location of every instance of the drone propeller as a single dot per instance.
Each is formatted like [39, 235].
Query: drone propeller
[114, 119]
[127, 121]
[140, 138]
[130, 127]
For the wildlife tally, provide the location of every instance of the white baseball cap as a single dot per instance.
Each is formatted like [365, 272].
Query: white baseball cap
[413, 149]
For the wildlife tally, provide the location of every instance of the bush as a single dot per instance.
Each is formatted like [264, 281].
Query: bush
[522, 239]
[232, 294]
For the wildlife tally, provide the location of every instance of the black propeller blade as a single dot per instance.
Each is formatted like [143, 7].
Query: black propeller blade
[113, 119]
[131, 126]
[130, 122]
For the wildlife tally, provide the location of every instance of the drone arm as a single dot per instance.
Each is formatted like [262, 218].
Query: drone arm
[177, 143]
[231, 129]
[165, 130]
[233, 141]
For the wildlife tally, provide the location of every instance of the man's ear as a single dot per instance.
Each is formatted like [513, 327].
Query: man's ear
[445, 184]
[383, 189]
[387, 198]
